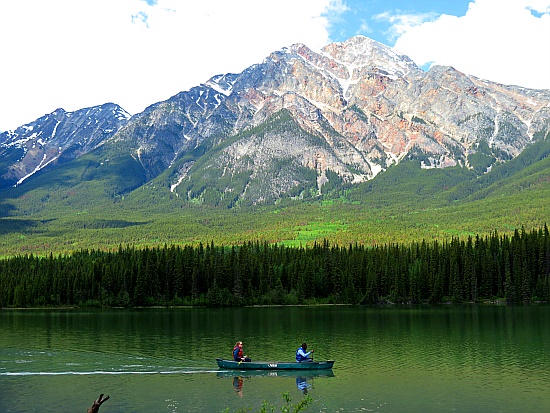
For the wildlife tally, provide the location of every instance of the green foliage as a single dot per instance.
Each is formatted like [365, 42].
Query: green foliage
[62, 212]
[483, 158]
[516, 267]
[407, 184]
[287, 407]
[362, 115]
[480, 162]
[532, 164]
[418, 120]
[93, 179]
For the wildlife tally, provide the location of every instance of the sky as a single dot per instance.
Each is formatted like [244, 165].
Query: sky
[74, 54]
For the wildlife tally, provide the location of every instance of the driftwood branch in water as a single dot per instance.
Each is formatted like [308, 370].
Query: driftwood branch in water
[97, 404]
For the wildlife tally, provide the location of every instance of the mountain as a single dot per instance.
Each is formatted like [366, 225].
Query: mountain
[299, 125]
[57, 137]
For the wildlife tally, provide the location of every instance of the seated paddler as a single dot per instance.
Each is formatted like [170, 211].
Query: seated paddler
[238, 353]
[303, 355]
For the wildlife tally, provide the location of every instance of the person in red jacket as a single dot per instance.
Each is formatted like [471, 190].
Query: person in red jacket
[238, 352]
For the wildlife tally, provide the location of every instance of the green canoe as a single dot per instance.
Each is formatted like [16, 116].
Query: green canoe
[274, 365]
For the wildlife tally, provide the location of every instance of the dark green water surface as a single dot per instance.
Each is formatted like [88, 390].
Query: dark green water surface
[388, 359]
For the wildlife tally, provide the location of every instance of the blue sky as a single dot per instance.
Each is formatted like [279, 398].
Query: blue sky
[79, 53]
[372, 18]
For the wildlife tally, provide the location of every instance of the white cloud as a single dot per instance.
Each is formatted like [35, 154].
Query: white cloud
[503, 41]
[364, 28]
[403, 22]
[78, 53]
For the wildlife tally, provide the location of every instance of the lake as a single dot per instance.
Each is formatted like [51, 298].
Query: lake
[460, 358]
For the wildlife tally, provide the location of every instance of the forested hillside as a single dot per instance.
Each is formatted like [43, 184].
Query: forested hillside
[515, 268]
[405, 204]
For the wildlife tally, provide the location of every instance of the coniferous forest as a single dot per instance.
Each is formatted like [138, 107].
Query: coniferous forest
[512, 267]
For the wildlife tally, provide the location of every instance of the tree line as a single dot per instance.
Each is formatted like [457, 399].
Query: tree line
[513, 267]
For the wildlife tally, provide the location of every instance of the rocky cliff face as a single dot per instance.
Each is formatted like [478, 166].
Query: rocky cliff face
[302, 121]
[367, 106]
[54, 138]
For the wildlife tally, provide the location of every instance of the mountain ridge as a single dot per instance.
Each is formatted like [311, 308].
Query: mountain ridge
[58, 136]
[355, 108]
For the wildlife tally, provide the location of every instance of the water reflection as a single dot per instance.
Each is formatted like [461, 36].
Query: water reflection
[302, 384]
[238, 383]
[478, 357]
[304, 379]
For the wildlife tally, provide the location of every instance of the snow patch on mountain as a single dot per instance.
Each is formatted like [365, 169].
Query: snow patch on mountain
[362, 52]
[43, 163]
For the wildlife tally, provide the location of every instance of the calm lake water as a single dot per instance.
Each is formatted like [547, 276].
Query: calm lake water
[388, 359]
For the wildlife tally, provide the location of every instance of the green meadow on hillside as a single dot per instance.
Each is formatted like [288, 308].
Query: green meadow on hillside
[403, 204]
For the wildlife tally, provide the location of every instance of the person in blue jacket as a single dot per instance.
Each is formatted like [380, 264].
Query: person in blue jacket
[302, 354]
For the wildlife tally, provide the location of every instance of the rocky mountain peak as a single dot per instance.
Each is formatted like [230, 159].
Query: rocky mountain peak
[59, 112]
[362, 52]
[55, 136]
[302, 121]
